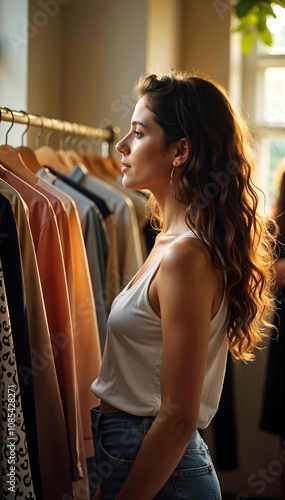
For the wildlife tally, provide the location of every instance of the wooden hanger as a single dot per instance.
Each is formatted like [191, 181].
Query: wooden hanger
[28, 158]
[26, 154]
[63, 158]
[91, 165]
[47, 157]
[106, 165]
[69, 157]
[11, 161]
[116, 164]
[100, 166]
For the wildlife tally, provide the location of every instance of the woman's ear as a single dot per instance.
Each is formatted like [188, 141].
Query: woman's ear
[182, 153]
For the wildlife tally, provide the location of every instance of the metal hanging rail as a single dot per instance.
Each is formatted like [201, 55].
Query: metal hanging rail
[109, 134]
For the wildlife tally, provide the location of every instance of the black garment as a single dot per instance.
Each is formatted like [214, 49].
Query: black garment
[273, 409]
[13, 276]
[149, 235]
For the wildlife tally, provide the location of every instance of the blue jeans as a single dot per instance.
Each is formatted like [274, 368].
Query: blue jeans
[117, 437]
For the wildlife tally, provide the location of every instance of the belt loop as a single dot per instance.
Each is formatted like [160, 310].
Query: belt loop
[95, 418]
[146, 423]
[144, 426]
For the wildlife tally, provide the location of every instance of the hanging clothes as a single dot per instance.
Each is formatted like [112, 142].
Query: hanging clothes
[51, 269]
[129, 248]
[83, 314]
[86, 336]
[16, 475]
[107, 170]
[19, 345]
[54, 456]
[112, 274]
[91, 225]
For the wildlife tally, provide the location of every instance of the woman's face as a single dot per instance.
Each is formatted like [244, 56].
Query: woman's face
[145, 164]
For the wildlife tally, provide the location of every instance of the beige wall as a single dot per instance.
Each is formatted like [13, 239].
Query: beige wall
[206, 38]
[45, 68]
[84, 61]
[163, 50]
[103, 55]
[187, 35]
[45, 64]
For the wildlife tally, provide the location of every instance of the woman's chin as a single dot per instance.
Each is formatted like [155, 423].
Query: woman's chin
[128, 184]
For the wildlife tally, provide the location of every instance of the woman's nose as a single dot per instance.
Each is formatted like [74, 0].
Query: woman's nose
[122, 146]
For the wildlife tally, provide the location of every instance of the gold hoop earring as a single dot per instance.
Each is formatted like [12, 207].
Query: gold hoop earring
[171, 177]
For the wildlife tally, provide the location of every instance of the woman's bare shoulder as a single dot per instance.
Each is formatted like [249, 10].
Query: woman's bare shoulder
[189, 254]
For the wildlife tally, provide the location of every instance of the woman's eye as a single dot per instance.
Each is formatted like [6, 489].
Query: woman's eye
[137, 133]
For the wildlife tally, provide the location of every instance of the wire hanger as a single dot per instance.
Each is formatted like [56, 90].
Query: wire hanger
[49, 133]
[27, 156]
[40, 132]
[25, 131]
[13, 119]
[70, 134]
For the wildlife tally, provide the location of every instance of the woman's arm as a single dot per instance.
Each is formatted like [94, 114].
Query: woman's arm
[186, 285]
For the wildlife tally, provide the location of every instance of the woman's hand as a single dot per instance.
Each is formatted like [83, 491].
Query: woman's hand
[98, 495]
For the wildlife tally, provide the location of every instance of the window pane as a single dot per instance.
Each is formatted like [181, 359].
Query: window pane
[270, 153]
[274, 95]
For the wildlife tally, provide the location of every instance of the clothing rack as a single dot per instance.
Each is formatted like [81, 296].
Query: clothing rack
[108, 135]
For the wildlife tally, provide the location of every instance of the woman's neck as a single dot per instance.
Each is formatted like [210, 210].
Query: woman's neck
[173, 216]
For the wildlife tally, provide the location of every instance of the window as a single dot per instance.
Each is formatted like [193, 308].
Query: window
[263, 95]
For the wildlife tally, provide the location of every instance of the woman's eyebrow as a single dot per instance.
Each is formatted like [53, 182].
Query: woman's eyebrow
[137, 122]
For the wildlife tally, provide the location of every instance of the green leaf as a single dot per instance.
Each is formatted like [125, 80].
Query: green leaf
[252, 18]
[261, 25]
[243, 26]
[280, 2]
[243, 7]
[270, 12]
[265, 36]
[247, 40]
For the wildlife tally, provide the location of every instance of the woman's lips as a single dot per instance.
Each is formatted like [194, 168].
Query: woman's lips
[125, 167]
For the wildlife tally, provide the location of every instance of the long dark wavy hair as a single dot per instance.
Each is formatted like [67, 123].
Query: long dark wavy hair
[219, 196]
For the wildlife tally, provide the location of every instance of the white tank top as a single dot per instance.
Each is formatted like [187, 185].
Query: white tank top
[129, 378]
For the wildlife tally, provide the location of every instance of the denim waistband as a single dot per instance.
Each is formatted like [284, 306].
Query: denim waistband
[102, 420]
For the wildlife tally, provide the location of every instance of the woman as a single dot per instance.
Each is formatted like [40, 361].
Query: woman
[203, 290]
